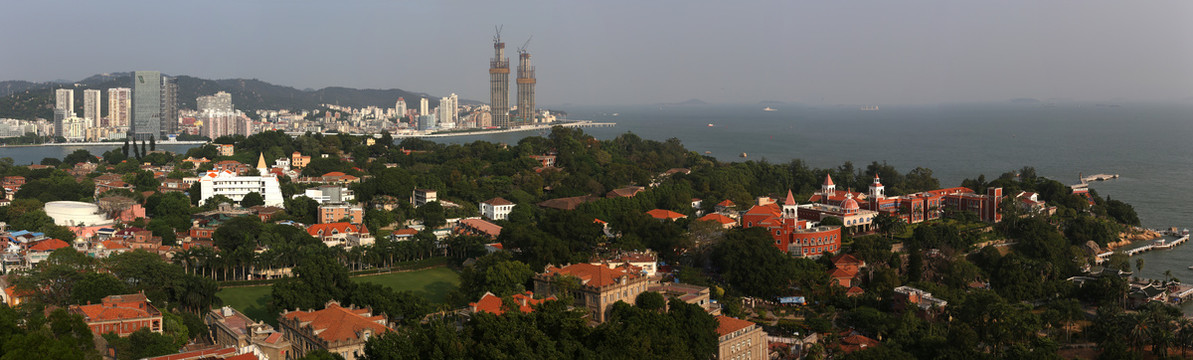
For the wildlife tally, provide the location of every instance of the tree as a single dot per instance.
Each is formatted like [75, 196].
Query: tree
[141, 344]
[321, 354]
[252, 199]
[650, 300]
[432, 215]
[498, 273]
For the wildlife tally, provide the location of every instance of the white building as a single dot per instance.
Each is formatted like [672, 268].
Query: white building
[64, 99]
[235, 187]
[75, 213]
[329, 194]
[496, 208]
[423, 106]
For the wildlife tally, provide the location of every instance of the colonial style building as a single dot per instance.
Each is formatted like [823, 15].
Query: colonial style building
[496, 208]
[337, 329]
[913, 208]
[231, 328]
[740, 340]
[598, 288]
[120, 314]
[235, 187]
[493, 304]
[791, 234]
[341, 234]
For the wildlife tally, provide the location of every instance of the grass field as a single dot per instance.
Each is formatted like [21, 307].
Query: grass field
[433, 284]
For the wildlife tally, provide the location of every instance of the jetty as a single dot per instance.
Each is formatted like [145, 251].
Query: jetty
[1161, 244]
[1098, 177]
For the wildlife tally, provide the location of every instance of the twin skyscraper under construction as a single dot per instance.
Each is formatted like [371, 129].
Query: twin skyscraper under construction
[499, 85]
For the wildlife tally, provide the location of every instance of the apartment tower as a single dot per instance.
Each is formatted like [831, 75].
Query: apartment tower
[526, 83]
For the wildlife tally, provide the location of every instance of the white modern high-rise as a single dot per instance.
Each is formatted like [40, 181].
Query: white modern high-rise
[423, 107]
[221, 101]
[91, 106]
[64, 99]
[454, 107]
[119, 105]
[447, 111]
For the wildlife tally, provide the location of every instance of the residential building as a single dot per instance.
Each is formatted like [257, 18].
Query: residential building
[496, 208]
[477, 227]
[400, 107]
[64, 99]
[663, 214]
[494, 304]
[235, 187]
[599, 286]
[907, 297]
[231, 328]
[691, 294]
[39, 251]
[120, 314]
[220, 101]
[119, 107]
[334, 212]
[740, 339]
[420, 197]
[341, 234]
[645, 262]
[329, 194]
[147, 104]
[298, 161]
[629, 191]
[226, 150]
[91, 106]
[169, 124]
[423, 107]
[724, 221]
[336, 329]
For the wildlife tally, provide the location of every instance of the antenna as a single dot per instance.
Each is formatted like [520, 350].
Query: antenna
[522, 50]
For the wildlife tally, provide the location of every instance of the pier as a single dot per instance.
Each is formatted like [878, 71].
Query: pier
[1098, 177]
[1158, 245]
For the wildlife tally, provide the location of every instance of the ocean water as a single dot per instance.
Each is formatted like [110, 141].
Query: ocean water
[1146, 144]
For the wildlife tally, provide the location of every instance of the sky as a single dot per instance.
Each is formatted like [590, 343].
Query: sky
[633, 52]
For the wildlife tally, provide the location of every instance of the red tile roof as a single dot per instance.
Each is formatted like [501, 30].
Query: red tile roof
[727, 325]
[339, 228]
[722, 219]
[726, 203]
[856, 342]
[117, 307]
[492, 303]
[482, 226]
[828, 179]
[662, 214]
[846, 259]
[197, 354]
[48, 245]
[337, 323]
[593, 275]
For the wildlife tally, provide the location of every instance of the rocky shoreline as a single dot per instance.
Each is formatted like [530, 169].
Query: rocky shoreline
[1132, 235]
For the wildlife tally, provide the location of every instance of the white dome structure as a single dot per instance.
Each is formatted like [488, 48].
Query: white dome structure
[75, 213]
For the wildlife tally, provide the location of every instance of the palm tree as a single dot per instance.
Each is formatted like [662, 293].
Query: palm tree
[1184, 334]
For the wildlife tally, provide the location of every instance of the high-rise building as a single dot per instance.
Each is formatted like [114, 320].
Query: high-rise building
[147, 105]
[400, 107]
[447, 111]
[91, 106]
[422, 107]
[221, 101]
[119, 106]
[64, 99]
[454, 107]
[169, 107]
[499, 84]
[526, 82]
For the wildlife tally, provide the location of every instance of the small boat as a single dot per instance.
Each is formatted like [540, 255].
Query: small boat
[707, 152]
[742, 155]
[710, 125]
[768, 108]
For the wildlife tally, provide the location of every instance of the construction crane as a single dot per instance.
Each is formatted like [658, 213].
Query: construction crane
[497, 39]
[522, 49]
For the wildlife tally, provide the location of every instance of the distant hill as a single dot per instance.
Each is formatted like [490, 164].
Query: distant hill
[26, 100]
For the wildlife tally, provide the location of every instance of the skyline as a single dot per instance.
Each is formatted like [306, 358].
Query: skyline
[613, 53]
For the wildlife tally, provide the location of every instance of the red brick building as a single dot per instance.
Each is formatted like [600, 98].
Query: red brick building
[791, 234]
[120, 314]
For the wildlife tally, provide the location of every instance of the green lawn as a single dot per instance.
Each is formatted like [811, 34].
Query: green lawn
[433, 284]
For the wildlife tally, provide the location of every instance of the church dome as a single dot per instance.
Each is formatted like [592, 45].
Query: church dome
[849, 204]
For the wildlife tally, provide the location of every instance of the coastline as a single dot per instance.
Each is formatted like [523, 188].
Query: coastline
[1133, 235]
[112, 143]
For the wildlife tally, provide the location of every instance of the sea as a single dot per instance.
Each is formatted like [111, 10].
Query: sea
[1146, 144]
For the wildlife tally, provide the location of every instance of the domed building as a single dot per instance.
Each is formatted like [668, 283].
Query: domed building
[76, 214]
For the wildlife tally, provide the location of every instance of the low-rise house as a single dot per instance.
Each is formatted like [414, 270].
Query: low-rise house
[420, 197]
[645, 262]
[232, 166]
[39, 251]
[477, 227]
[599, 287]
[496, 208]
[907, 297]
[120, 314]
[324, 194]
[852, 341]
[341, 234]
[173, 185]
[725, 221]
[740, 339]
[336, 329]
[625, 192]
[663, 214]
[231, 328]
[691, 294]
[567, 203]
[494, 304]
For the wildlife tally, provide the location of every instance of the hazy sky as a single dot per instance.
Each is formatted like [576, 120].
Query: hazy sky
[629, 52]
